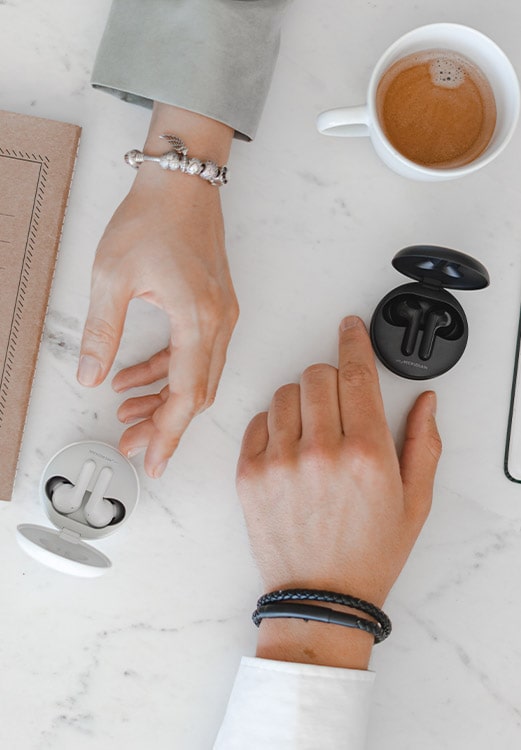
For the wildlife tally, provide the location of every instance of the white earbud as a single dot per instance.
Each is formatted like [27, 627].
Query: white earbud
[99, 511]
[67, 498]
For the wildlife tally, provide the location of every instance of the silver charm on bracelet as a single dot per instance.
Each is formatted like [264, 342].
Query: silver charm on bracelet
[177, 159]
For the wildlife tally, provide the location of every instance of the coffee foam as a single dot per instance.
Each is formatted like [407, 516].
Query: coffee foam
[447, 71]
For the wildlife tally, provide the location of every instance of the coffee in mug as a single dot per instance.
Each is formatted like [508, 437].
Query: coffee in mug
[442, 102]
[437, 108]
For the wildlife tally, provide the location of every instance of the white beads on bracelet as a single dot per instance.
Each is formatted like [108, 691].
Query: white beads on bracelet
[177, 159]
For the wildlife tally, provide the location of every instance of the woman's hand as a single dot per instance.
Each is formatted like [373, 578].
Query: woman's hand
[165, 244]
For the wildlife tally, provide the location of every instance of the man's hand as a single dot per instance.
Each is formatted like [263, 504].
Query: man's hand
[327, 502]
[165, 244]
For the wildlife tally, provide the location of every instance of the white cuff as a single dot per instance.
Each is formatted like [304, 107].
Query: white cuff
[284, 706]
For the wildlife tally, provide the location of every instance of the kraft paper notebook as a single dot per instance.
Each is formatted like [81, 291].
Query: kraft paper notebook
[37, 158]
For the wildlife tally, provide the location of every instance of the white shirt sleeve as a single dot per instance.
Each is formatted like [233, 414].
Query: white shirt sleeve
[279, 705]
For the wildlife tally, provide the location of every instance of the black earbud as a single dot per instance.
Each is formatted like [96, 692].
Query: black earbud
[437, 320]
[409, 312]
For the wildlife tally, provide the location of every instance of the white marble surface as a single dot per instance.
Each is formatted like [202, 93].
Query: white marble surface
[145, 656]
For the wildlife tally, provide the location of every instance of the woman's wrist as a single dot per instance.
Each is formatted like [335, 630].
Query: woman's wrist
[204, 137]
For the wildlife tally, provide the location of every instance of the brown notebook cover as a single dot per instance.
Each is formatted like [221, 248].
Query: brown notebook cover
[37, 160]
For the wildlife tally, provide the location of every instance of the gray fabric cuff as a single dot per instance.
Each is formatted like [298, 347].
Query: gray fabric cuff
[214, 57]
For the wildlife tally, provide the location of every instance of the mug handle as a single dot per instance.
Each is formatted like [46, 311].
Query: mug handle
[346, 121]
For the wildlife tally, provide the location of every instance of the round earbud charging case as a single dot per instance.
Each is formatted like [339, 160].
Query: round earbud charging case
[65, 548]
[419, 330]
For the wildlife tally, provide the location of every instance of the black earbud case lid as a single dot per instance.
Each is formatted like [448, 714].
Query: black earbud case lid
[441, 267]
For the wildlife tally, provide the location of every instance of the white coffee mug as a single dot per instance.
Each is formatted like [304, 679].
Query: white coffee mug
[479, 49]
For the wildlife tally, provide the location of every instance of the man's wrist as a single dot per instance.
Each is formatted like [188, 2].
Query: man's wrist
[310, 642]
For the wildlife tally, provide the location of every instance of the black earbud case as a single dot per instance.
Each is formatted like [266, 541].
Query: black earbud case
[419, 330]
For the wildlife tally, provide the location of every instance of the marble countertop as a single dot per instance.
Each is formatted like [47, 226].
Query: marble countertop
[146, 655]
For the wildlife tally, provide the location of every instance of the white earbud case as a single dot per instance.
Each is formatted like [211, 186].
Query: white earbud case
[65, 548]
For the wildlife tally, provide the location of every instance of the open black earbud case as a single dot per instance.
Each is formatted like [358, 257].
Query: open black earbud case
[419, 330]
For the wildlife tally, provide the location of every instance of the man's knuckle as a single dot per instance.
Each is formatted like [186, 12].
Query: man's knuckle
[317, 457]
[284, 396]
[249, 471]
[356, 374]
[316, 372]
[364, 456]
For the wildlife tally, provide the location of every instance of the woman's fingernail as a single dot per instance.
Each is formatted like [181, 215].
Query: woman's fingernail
[433, 402]
[350, 322]
[118, 387]
[158, 471]
[129, 420]
[89, 370]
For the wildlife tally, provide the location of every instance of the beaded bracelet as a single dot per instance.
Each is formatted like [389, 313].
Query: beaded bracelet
[289, 603]
[177, 159]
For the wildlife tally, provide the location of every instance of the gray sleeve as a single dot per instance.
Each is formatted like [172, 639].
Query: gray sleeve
[214, 57]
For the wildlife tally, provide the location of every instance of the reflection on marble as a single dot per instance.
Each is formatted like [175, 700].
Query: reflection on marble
[146, 655]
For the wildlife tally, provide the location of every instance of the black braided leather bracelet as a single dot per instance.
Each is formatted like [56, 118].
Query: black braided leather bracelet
[289, 603]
